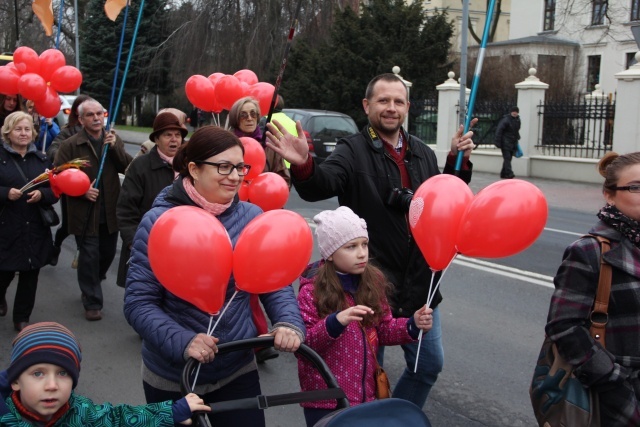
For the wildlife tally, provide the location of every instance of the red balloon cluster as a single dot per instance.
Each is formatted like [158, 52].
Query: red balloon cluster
[267, 190]
[501, 220]
[191, 254]
[219, 91]
[39, 78]
[72, 182]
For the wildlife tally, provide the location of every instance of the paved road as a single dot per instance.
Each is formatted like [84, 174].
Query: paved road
[492, 320]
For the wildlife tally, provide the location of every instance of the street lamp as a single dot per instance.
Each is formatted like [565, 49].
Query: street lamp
[396, 71]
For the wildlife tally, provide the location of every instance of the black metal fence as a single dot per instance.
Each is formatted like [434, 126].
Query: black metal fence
[489, 114]
[423, 121]
[580, 128]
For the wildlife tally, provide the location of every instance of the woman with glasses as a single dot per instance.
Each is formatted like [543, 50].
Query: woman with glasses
[612, 372]
[244, 117]
[211, 169]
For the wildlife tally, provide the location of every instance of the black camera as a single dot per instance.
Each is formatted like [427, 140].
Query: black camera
[400, 198]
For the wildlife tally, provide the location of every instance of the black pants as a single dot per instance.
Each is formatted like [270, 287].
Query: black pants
[506, 171]
[25, 294]
[96, 255]
[247, 385]
[63, 231]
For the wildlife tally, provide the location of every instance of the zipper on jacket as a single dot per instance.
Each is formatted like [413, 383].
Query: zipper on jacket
[364, 373]
[406, 221]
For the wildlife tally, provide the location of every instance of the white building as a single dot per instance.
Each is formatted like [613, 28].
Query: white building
[593, 37]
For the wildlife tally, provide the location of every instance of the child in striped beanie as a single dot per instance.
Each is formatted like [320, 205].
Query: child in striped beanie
[44, 370]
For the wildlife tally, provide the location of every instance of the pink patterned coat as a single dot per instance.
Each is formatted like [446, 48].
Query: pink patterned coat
[349, 356]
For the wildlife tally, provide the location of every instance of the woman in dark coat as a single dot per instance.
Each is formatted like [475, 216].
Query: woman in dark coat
[613, 370]
[146, 176]
[25, 241]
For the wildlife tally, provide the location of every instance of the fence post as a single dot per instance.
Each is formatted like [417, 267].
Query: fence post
[531, 93]
[448, 122]
[626, 127]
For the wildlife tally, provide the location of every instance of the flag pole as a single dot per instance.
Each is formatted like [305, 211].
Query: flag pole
[283, 65]
[476, 79]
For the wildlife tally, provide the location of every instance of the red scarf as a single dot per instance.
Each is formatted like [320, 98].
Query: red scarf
[35, 418]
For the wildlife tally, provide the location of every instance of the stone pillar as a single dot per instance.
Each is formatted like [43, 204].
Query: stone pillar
[531, 93]
[626, 127]
[448, 99]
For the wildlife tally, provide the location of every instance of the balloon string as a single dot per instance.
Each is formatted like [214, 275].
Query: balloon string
[210, 332]
[430, 297]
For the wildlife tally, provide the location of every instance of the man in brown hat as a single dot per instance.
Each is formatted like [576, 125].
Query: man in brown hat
[145, 178]
[146, 146]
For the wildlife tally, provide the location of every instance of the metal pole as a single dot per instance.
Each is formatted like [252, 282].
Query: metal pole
[464, 35]
[77, 28]
[15, 10]
[476, 78]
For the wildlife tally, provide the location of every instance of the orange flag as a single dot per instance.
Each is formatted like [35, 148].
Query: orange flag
[44, 11]
[113, 7]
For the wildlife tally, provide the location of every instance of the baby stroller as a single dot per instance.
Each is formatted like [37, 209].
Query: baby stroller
[387, 412]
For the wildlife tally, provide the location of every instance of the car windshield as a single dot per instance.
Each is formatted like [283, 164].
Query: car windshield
[335, 124]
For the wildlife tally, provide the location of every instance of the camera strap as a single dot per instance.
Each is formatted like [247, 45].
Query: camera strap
[375, 139]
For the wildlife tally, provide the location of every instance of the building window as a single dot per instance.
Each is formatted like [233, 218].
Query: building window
[593, 72]
[599, 11]
[631, 60]
[635, 10]
[550, 14]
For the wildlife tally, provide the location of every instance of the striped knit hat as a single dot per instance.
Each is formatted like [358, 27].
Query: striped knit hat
[46, 342]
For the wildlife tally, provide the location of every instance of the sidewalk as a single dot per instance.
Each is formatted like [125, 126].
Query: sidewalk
[581, 197]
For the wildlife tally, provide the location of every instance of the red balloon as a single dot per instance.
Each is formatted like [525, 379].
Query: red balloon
[503, 219]
[434, 217]
[66, 79]
[272, 251]
[263, 92]
[243, 192]
[8, 81]
[199, 91]
[26, 60]
[49, 106]
[72, 182]
[228, 90]
[213, 78]
[253, 155]
[32, 86]
[11, 66]
[269, 191]
[50, 61]
[190, 254]
[246, 76]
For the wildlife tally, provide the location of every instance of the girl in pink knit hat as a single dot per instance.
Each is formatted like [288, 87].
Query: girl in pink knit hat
[344, 306]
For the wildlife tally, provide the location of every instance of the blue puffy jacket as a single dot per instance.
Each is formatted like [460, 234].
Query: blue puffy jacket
[168, 324]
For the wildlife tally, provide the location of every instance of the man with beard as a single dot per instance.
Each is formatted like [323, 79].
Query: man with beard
[375, 173]
[98, 246]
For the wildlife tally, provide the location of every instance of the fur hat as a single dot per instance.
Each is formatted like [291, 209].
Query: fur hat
[167, 121]
[337, 227]
[45, 342]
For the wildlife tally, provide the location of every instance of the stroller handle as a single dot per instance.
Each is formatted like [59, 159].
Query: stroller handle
[304, 351]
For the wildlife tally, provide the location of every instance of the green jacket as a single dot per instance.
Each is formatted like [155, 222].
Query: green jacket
[83, 412]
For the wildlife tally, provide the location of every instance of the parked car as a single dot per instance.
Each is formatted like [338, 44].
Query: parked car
[323, 128]
[66, 101]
